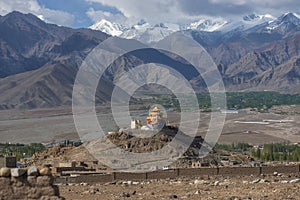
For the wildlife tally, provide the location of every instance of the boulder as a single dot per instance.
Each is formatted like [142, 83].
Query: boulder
[5, 172]
[17, 172]
[45, 171]
[217, 183]
[33, 171]
[297, 180]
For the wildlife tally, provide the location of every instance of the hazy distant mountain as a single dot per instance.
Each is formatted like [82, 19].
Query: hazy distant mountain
[39, 61]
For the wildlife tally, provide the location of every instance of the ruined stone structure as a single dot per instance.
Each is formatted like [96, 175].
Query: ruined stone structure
[27, 184]
[8, 161]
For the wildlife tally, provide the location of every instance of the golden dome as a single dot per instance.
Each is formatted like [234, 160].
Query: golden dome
[155, 109]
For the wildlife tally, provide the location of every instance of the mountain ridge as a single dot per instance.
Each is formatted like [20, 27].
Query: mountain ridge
[139, 30]
[39, 68]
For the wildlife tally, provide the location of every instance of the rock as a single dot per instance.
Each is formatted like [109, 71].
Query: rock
[43, 181]
[4, 182]
[45, 171]
[111, 183]
[85, 193]
[124, 194]
[47, 191]
[255, 181]
[93, 191]
[284, 182]
[135, 183]
[225, 183]
[197, 192]
[17, 172]
[200, 182]
[217, 183]
[173, 196]
[263, 181]
[275, 173]
[33, 171]
[149, 193]
[31, 181]
[297, 180]
[5, 172]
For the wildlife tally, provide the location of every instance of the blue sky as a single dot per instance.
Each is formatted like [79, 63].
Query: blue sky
[83, 13]
[77, 8]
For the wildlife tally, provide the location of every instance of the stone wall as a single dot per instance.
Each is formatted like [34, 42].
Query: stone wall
[27, 184]
[174, 173]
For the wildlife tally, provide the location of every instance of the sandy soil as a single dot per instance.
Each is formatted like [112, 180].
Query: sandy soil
[261, 187]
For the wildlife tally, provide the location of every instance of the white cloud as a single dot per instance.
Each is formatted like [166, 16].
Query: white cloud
[32, 6]
[155, 11]
[97, 15]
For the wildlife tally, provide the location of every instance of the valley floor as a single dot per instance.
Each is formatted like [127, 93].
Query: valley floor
[51, 125]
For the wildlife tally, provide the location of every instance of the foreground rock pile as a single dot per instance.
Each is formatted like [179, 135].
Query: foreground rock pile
[32, 183]
[130, 143]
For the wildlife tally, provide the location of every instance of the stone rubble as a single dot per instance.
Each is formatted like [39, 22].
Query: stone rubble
[19, 183]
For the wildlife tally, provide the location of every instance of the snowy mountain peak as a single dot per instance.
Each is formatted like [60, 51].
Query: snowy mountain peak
[251, 17]
[108, 27]
[254, 17]
[205, 25]
[290, 17]
[284, 23]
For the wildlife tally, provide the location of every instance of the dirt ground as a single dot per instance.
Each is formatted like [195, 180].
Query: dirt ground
[234, 188]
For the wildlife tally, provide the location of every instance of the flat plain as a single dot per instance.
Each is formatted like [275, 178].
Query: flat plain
[54, 125]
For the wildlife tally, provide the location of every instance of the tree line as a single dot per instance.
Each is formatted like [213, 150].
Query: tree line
[20, 150]
[267, 152]
[278, 152]
[262, 101]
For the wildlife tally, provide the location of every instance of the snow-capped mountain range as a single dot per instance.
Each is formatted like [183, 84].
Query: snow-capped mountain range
[147, 33]
[142, 31]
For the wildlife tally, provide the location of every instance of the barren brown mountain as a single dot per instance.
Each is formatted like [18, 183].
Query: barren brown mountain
[39, 61]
